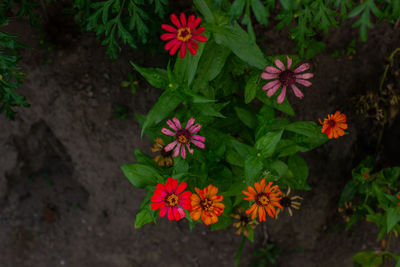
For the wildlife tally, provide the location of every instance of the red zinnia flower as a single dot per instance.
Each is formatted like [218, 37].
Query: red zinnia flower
[184, 35]
[285, 77]
[183, 137]
[169, 199]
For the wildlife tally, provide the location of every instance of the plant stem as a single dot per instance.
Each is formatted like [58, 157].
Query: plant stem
[239, 253]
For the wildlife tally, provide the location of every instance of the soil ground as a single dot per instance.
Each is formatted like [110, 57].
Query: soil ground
[65, 202]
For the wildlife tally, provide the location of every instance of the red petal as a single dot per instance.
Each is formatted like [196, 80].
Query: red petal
[200, 38]
[169, 28]
[157, 205]
[168, 36]
[186, 204]
[183, 19]
[170, 44]
[171, 185]
[194, 24]
[182, 186]
[182, 54]
[185, 195]
[170, 214]
[190, 47]
[200, 30]
[163, 211]
[178, 213]
[175, 21]
[175, 48]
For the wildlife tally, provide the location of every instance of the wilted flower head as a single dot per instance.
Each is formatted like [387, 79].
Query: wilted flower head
[183, 35]
[164, 158]
[285, 77]
[265, 197]
[243, 223]
[289, 203]
[334, 125]
[183, 137]
[170, 199]
[347, 211]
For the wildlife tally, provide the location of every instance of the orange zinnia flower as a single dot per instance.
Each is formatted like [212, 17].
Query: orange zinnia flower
[207, 206]
[265, 198]
[334, 125]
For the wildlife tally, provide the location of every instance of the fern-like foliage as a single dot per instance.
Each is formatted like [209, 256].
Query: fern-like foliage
[120, 20]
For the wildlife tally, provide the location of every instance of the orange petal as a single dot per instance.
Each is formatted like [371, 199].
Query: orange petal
[195, 215]
[261, 214]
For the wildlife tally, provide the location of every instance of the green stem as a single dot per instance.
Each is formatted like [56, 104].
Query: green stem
[239, 253]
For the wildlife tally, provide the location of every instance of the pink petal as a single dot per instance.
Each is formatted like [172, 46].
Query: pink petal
[169, 28]
[189, 123]
[176, 150]
[197, 143]
[178, 213]
[269, 76]
[273, 90]
[170, 146]
[170, 214]
[304, 76]
[172, 125]
[168, 36]
[175, 48]
[194, 24]
[304, 82]
[289, 62]
[180, 188]
[195, 128]
[200, 38]
[199, 138]
[190, 47]
[188, 147]
[279, 64]
[296, 91]
[168, 132]
[302, 68]
[200, 30]
[177, 123]
[182, 52]
[183, 20]
[163, 211]
[175, 21]
[281, 97]
[271, 85]
[170, 44]
[183, 152]
[271, 69]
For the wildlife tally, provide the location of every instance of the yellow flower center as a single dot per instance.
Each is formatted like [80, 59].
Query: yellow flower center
[183, 136]
[172, 200]
[182, 139]
[207, 205]
[184, 34]
[262, 199]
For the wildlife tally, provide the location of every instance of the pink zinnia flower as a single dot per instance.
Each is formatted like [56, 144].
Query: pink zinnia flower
[183, 137]
[169, 198]
[184, 35]
[285, 77]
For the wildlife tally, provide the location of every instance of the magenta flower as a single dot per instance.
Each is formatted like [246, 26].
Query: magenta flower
[285, 77]
[183, 137]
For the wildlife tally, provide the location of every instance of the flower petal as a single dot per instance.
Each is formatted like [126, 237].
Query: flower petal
[183, 151]
[183, 20]
[282, 95]
[170, 146]
[170, 214]
[190, 47]
[167, 36]
[198, 144]
[171, 185]
[177, 123]
[199, 138]
[304, 82]
[189, 123]
[199, 38]
[261, 214]
[273, 90]
[168, 132]
[193, 25]
[304, 76]
[176, 150]
[182, 52]
[189, 149]
[297, 91]
[271, 84]
[172, 125]
[302, 68]
[271, 69]
[195, 128]
[200, 30]
[175, 21]
[178, 213]
[170, 44]
[289, 62]
[175, 48]
[269, 76]
[279, 64]
[163, 211]
[169, 28]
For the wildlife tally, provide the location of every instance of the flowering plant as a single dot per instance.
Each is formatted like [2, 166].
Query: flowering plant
[219, 132]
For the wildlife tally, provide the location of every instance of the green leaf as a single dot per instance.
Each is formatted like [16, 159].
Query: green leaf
[267, 144]
[259, 11]
[239, 42]
[181, 167]
[279, 167]
[247, 117]
[236, 9]
[156, 77]
[369, 258]
[202, 6]
[252, 169]
[307, 128]
[393, 217]
[299, 168]
[140, 175]
[165, 104]
[252, 85]
[284, 107]
[143, 217]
